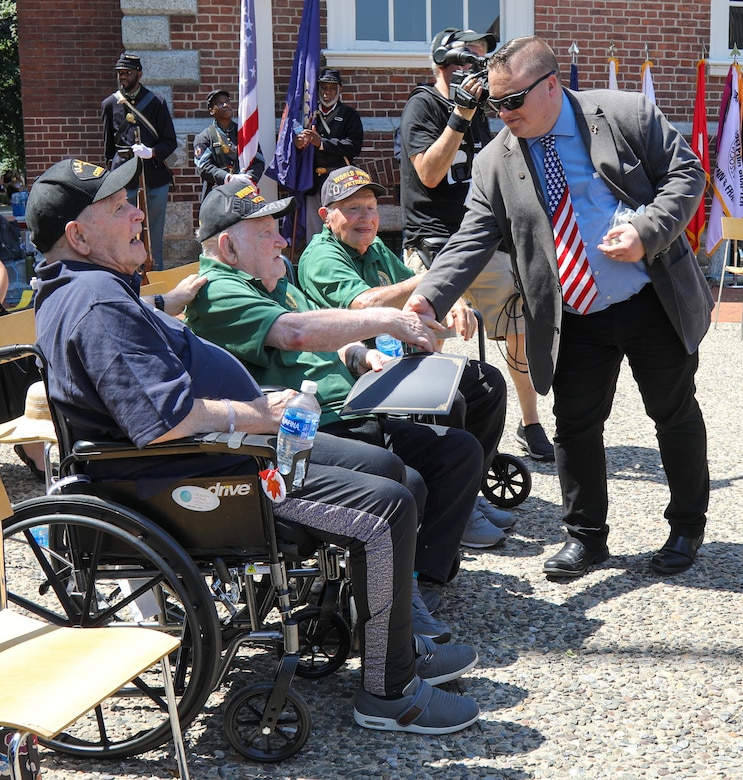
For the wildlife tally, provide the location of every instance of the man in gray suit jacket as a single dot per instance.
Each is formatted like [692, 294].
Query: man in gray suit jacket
[621, 158]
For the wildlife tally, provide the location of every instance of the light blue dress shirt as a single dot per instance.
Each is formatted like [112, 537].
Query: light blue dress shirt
[594, 206]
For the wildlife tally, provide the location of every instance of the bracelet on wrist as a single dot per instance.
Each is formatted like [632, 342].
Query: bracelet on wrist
[458, 124]
[230, 415]
[159, 302]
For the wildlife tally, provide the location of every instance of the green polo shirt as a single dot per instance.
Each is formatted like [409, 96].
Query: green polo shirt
[235, 311]
[332, 274]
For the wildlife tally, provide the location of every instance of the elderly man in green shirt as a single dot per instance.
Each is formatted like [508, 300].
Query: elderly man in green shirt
[348, 266]
[248, 307]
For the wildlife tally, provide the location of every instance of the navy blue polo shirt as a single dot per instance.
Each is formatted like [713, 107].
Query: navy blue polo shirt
[119, 369]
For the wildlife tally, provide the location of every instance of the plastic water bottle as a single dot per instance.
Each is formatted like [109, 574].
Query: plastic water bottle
[388, 345]
[41, 534]
[296, 127]
[18, 203]
[297, 430]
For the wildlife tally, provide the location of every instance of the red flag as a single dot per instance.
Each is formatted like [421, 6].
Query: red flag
[247, 112]
[700, 145]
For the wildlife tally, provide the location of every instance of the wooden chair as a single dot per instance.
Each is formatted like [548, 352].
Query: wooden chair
[732, 231]
[53, 675]
[18, 328]
[172, 276]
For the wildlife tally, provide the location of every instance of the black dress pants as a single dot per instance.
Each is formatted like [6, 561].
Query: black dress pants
[591, 351]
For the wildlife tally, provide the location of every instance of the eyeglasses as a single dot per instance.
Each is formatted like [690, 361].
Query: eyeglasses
[221, 103]
[516, 100]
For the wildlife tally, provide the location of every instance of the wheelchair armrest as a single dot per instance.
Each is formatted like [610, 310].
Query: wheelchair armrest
[257, 445]
[262, 447]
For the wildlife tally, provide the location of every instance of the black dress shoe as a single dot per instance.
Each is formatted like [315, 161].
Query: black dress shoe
[677, 554]
[574, 559]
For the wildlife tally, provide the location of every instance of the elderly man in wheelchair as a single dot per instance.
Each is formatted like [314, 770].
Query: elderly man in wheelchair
[120, 370]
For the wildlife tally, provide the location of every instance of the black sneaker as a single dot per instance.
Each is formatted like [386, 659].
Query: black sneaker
[534, 440]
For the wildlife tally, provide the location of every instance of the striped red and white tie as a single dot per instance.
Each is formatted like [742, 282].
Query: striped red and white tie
[578, 287]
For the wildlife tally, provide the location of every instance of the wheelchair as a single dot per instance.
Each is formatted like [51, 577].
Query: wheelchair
[204, 559]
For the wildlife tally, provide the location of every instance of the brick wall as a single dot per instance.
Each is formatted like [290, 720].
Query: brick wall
[67, 59]
[63, 78]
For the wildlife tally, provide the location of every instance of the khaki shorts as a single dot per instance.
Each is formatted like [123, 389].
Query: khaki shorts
[493, 294]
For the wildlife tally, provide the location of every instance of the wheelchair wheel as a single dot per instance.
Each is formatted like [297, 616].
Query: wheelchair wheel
[508, 481]
[322, 649]
[242, 724]
[102, 565]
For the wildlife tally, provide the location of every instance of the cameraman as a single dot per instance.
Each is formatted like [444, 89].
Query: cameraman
[443, 127]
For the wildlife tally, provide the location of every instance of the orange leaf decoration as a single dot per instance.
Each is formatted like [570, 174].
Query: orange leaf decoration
[273, 485]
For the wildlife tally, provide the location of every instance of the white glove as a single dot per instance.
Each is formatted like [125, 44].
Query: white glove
[142, 151]
[242, 178]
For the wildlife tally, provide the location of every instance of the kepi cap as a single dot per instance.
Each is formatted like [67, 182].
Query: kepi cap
[213, 94]
[228, 204]
[35, 424]
[128, 62]
[60, 194]
[343, 182]
[451, 36]
[331, 76]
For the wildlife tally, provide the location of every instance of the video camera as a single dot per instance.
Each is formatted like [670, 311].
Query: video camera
[443, 57]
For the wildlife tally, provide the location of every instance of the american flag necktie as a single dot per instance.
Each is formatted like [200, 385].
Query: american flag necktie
[578, 287]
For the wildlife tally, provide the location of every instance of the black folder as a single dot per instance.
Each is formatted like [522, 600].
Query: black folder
[418, 383]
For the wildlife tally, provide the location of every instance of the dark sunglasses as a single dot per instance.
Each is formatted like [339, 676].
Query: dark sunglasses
[516, 100]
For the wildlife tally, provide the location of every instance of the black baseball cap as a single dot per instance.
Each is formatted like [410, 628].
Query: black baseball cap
[230, 203]
[61, 194]
[343, 182]
[213, 94]
[128, 62]
[451, 35]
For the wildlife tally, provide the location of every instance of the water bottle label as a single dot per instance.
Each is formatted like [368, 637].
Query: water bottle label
[296, 423]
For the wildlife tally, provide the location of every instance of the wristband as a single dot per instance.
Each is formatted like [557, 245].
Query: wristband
[159, 302]
[458, 124]
[231, 413]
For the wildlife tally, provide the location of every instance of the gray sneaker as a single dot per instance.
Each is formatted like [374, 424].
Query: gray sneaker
[534, 440]
[438, 664]
[422, 709]
[498, 517]
[431, 597]
[423, 622]
[480, 532]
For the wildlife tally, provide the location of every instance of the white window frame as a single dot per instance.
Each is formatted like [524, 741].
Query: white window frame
[344, 51]
[719, 51]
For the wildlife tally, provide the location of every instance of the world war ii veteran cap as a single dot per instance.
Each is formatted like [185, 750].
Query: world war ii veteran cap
[60, 194]
[230, 203]
[343, 182]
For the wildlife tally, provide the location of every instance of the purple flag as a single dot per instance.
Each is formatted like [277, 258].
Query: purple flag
[574, 77]
[290, 166]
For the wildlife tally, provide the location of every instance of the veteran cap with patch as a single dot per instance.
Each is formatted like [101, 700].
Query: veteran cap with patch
[60, 194]
[343, 182]
[230, 203]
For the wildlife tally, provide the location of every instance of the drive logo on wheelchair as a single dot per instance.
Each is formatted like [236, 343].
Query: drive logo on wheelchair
[207, 499]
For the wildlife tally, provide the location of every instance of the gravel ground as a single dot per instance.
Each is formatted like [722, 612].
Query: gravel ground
[621, 674]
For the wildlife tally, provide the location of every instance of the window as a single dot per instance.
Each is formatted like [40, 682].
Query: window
[365, 33]
[726, 30]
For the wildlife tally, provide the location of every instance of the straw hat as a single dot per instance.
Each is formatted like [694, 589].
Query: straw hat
[36, 422]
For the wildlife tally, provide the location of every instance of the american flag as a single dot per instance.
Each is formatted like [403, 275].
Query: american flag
[247, 112]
